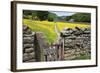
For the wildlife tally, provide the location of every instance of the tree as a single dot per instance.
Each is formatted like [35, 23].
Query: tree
[68, 18]
[51, 16]
[34, 15]
[27, 14]
[42, 15]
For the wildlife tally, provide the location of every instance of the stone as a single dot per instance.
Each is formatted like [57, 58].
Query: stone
[31, 60]
[29, 50]
[28, 40]
[25, 27]
[32, 54]
[28, 31]
[25, 57]
[28, 56]
[28, 45]
[28, 35]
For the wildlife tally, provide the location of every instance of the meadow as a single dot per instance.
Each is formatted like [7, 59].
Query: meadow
[48, 28]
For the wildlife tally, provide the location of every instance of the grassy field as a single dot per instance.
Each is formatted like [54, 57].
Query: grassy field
[43, 26]
[49, 27]
[62, 25]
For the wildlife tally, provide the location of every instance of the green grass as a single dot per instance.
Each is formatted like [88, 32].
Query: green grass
[48, 27]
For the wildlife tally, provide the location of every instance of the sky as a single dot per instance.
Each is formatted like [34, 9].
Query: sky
[63, 13]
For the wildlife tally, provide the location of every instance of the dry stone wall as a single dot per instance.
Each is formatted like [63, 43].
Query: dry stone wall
[36, 47]
[77, 43]
[28, 45]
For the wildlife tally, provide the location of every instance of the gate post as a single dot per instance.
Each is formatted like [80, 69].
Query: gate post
[40, 45]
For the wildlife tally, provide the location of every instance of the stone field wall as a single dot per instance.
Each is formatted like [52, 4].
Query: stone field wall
[36, 47]
[28, 45]
[77, 43]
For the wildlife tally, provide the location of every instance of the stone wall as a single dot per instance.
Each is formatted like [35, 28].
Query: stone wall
[28, 45]
[77, 43]
[36, 47]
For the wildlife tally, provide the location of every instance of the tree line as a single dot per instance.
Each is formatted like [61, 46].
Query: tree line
[39, 15]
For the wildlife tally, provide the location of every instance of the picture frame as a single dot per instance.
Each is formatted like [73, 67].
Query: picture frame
[31, 15]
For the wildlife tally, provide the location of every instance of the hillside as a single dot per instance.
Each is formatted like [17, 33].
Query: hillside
[80, 17]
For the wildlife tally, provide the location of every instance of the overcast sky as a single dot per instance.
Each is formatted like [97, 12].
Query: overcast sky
[63, 13]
